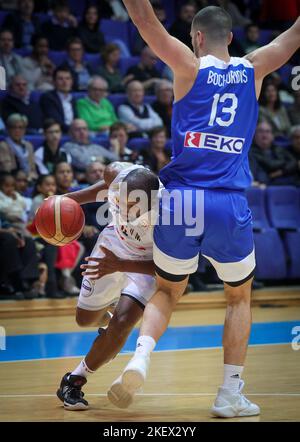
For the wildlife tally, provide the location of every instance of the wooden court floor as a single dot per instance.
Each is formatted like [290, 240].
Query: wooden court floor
[181, 385]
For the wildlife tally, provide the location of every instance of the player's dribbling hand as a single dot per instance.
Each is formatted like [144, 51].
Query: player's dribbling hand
[110, 263]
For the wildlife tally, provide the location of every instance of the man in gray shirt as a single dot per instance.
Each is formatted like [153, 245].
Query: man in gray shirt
[82, 150]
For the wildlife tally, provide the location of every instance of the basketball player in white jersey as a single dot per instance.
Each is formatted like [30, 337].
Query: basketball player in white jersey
[120, 270]
[213, 123]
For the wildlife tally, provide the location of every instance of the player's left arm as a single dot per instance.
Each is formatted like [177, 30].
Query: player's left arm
[271, 57]
[111, 263]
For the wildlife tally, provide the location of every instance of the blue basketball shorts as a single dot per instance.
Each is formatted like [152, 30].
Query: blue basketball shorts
[215, 223]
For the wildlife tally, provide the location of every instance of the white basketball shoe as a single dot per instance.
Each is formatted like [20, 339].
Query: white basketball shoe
[228, 404]
[123, 389]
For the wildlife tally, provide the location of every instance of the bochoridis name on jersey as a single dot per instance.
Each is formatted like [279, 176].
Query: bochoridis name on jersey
[232, 77]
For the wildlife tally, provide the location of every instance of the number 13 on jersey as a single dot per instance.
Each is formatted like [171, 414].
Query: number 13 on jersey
[229, 109]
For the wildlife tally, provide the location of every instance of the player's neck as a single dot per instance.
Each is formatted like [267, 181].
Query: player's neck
[220, 53]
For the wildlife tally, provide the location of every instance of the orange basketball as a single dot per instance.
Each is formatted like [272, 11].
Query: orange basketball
[59, 220]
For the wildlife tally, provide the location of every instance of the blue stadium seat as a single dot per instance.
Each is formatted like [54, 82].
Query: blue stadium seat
[169, 144]
[3, 15]
[94, 60]
[127, 62]
[58, 57]
[149, 99]
[266, 35]
[285, 73]
[23, 52]
[35, 96]
[113, 29]
[270, 255]
[256, 201]
[292, 244]
[43, 17]
[2, 95]
[282, 141]
[139, 143]
[35, 140]
[78, 95]
[283, 207]
[117, 99]
[77, 7]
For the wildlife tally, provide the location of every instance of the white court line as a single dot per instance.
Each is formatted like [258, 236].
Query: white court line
[128, 353]
[10, 396]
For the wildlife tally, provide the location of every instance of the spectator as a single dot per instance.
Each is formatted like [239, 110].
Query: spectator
[23, 188]
[61, 27]
[251, 42]
[23, 24]
[81, 150]
[38, 68]
[109, 71]
[164, 102]
[45, 187]
[59, 104]
[157, 156]
[95, 109]
[294, 150]
[270, 164]
[140, 117]
[12, 63]
[89, 32]
[50, 153]
[118, 137]
[19, 271]
[181, 28]
[113, 9]
[94, 172]
[15, 152]
[17, 101]
[68, 256]
[294, 110]
[272, 110]
[81, 71]
[145, 71]
[12, 205]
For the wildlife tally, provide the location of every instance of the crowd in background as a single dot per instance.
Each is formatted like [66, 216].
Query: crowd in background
[90, 113]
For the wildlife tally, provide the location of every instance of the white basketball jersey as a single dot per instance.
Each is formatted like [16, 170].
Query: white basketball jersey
[137, 236]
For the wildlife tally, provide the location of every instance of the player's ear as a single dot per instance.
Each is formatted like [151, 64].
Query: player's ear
[230, 37]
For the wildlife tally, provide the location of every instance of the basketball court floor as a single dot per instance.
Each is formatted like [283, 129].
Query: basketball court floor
[185, 372]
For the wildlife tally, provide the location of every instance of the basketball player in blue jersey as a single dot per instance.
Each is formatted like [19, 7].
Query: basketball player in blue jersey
[214, 119]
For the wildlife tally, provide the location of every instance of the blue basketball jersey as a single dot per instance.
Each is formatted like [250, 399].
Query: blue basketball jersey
[213, 127]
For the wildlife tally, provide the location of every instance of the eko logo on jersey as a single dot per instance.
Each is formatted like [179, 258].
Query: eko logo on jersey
[214, 142]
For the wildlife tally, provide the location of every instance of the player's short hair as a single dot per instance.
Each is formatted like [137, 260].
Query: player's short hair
[142, 179]
[213, 21]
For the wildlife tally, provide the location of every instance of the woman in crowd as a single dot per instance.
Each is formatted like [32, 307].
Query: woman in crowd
[110, 71]
[89, 32]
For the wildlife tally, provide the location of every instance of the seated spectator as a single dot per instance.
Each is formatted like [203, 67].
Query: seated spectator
[94, 172]
[145, 71]
[50, 152]
[139, 117]
[61, 27]
[118, 137]
[251, 41]
[82, 150]
[15, 152]
[294, 150]
[12, 63]
[181, 28]
[89, 33]
[273, 111]
[164, 102]
[270, 164]
[109, 71]
[95, 109]
[59, 104]
[17, 101]
[20, 271]
[294, 110]
[157, 156]
[113, 9]
[23, 24]
[23, 188]
[12, 205]
[81, 71]
[38, 68]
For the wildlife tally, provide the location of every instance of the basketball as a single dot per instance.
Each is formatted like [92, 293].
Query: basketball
[59, 220]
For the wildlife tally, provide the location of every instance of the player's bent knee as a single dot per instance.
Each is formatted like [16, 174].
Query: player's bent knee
[239, 293]
[121, 325]
[86, 318]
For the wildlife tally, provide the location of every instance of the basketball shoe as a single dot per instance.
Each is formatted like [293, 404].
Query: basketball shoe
[70, 392]
[228, 404]
[123, 389]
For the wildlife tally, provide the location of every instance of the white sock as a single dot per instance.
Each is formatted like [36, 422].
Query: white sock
[232, 377]
[145, 345]
[82, 370]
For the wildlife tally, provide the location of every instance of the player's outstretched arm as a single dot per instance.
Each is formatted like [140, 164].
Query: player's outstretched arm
[271, 57]
[170, 50]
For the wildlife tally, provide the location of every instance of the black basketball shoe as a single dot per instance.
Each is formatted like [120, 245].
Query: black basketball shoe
[70, 392]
